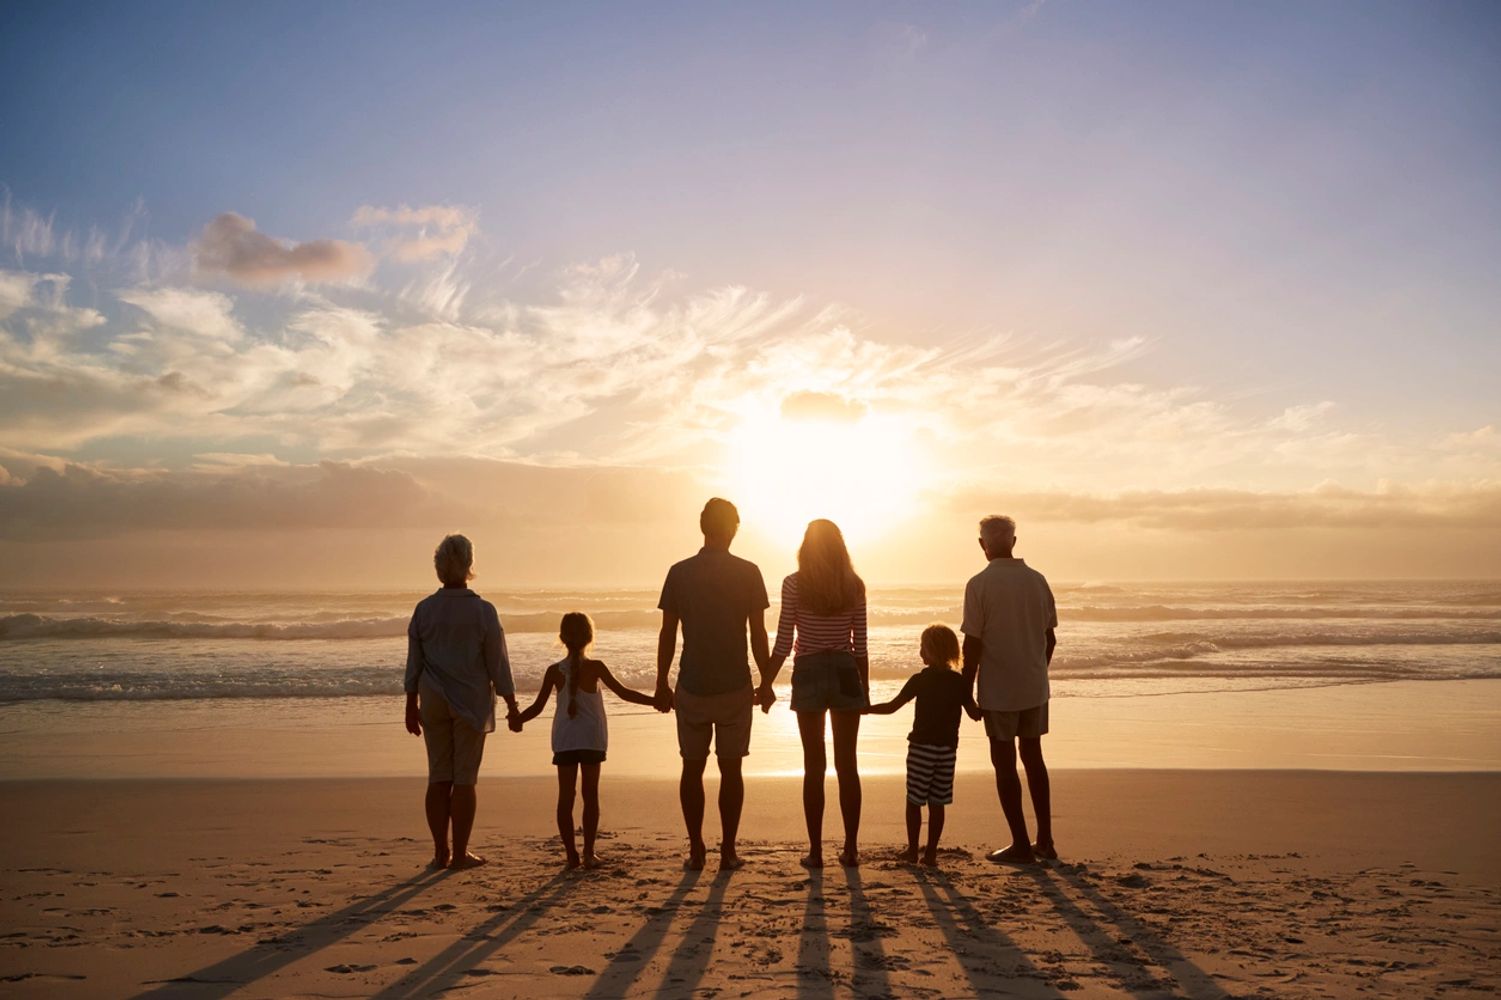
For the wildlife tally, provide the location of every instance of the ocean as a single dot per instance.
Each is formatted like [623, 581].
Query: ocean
[1114, 640]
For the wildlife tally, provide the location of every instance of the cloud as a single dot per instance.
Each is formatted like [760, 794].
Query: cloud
[1328, 506]
[16, 290]
[422, 233]
[822, 406]
[80, 501]
[231, 245]
[204, 315]
[230, 492]
[617, 367]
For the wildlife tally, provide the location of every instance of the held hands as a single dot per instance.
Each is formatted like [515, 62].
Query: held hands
[765, 697]
[513, 718]
[663, 700]
[973, 711]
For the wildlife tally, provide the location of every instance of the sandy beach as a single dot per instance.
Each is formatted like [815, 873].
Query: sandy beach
[1173, 883]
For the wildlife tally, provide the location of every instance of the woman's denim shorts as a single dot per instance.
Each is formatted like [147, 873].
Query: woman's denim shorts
[827, 681]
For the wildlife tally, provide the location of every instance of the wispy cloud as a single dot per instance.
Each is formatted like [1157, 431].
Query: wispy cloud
[1459, 507]
[617, 384]
[620, 367]
[422, 233]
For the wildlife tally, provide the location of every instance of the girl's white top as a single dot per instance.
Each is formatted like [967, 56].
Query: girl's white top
[585, 731]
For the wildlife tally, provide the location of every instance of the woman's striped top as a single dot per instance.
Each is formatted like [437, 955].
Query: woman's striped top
[842, 633]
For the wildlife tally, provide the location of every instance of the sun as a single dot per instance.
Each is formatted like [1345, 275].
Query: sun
[863, 471]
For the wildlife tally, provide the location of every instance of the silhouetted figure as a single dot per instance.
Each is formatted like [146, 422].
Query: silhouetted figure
[580, 735]
[823, 620]
[456, 665]
[933, 745]
[1009, 637]
[715, 597]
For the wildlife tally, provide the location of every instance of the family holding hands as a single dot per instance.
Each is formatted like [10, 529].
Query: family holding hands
[457, 666]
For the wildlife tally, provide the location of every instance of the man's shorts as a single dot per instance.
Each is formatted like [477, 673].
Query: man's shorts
[724, 717]
[828, 680]
[930, 774]
[1029, 722]
[454, 747]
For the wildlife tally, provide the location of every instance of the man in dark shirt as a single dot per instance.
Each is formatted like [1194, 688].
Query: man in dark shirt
[714, 596]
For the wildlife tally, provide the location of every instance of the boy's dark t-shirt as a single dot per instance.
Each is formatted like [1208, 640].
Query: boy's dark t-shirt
[940, 701]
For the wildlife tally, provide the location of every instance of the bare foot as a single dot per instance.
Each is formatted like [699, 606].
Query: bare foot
[730, 861]
[930, 857]
[910, 855]
[593, 861]
[469, 860]
[572, 862]
[1016, 854]
[440, 860]
[811, 861]
[696, 856]
[1045, 851]
[849, 857]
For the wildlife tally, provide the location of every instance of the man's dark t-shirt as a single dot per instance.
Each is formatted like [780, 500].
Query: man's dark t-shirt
[940, 696]
[714, 594]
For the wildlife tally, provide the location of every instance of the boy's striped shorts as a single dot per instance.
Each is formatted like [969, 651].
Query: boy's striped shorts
[930, 774]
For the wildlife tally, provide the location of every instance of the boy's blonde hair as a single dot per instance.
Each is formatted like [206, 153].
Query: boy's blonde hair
[941, 641]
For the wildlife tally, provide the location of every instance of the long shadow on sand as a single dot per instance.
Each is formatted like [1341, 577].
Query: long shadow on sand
[458, 962]
[625, 967]
[813, 974]
[1116, 933]
[870, 978]
[691, 959]
[988, 956]
[231, 974]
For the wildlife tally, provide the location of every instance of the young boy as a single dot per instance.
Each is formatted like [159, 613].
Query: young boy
[941, 693]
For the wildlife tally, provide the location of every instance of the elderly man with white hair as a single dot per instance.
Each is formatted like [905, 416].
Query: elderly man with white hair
[1009, 637]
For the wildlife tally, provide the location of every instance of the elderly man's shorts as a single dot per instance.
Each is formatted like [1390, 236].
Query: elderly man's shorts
[454, 747]
[726, 718]
[1029, 722]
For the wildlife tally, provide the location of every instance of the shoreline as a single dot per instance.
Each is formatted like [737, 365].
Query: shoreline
[1398, 726]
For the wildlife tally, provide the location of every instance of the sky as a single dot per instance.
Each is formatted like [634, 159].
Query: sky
[1193, 290]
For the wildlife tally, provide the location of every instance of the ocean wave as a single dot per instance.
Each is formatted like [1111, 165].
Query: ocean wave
[33, 626]
[1168, 613]
[196, 625]
[88, 687]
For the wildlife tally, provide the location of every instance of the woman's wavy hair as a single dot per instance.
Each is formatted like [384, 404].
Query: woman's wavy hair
[576, 631]
[826, 580]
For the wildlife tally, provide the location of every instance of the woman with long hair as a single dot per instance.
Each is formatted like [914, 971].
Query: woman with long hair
[822, 622]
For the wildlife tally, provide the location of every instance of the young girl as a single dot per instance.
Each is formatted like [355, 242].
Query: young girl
[941, 693]
[579, 733]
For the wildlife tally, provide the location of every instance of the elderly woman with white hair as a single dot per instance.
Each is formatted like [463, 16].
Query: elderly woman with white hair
[456, 665]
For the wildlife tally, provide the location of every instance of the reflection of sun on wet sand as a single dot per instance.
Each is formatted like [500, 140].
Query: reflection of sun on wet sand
[1204, 884]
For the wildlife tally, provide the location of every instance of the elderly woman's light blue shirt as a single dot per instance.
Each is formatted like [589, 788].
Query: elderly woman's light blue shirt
[456, 645]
